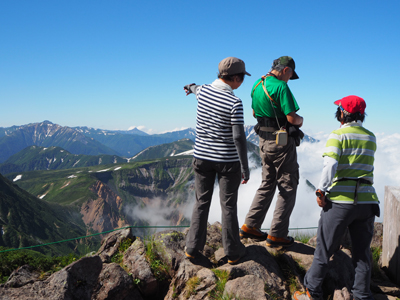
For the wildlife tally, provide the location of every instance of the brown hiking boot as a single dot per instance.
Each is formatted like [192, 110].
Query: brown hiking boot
[252, 232]
[279, 242]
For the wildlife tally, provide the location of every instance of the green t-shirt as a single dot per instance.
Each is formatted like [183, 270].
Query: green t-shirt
[279, 92]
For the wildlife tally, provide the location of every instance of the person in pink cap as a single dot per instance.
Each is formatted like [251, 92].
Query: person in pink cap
[348, 200]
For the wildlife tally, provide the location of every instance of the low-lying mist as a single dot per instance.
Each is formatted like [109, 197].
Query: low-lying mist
[306, 211]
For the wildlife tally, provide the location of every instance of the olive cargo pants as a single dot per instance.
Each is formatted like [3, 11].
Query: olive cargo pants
[279, 169]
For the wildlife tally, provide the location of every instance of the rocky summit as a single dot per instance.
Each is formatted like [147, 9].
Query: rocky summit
[128, 268]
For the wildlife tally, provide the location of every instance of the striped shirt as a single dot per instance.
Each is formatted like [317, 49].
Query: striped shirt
[217, 110]
[353, 147]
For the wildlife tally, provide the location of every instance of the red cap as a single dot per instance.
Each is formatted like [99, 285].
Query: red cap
[352, 104]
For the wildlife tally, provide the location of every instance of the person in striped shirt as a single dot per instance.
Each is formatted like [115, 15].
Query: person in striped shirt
[347, 198]
[220, 152]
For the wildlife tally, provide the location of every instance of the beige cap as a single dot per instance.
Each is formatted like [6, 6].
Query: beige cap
[231, 66]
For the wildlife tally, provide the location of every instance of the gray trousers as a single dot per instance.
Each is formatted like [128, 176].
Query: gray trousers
[229, 178]
[334, 220]
[279, 169]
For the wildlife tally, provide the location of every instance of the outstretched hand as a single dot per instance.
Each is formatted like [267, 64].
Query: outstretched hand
[186, 88]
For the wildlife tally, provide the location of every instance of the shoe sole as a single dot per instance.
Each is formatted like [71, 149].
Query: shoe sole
[275, 244]
[189, 256]
[251, 236]
[234, 262]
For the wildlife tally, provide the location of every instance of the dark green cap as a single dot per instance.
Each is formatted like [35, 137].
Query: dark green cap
[286, 61]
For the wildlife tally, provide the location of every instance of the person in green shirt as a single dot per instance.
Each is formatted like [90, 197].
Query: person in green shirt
[275, 108]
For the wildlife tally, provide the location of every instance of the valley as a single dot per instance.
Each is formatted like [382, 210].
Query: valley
[80, 172]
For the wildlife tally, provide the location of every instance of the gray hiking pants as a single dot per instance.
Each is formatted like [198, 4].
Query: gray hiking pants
[279, 169]
[229, 178]
[334, 220]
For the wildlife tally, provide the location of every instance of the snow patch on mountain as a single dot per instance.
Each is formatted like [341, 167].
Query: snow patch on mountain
[18, 177]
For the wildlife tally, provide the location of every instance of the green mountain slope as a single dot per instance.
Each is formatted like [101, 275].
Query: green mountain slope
[53, 158]
[130, 180]
[164, 150]
[104, 195]
[27, 221]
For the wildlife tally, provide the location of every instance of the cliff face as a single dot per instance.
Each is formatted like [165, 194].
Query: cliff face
[103, 213]
[163, 186]
[159, 179]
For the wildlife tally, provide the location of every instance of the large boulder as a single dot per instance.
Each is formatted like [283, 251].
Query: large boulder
[139, 268]
[22, 276]
[111, 242]
[114, 283]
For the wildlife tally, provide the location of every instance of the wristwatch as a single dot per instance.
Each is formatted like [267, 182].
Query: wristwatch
[319, 193]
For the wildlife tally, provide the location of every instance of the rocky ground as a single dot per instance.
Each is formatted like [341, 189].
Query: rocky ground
[128, 268]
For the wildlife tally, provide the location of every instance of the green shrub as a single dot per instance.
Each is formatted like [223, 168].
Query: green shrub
[153, 249]
[191, 285]
[11, 260]
[123, 246]
[218, 291]
[376, 255]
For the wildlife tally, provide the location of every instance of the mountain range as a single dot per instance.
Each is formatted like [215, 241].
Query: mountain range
[82, 140]
[77, 176]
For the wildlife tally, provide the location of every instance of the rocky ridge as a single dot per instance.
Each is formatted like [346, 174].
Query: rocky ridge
[128, 268]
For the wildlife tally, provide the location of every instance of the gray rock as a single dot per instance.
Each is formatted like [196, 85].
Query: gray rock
[76, 281]
[114, 283]
[22, 276]
[185, 271]
[260, 263]
[110, 243]
[248, 287]
[342, 294]
[137, 265]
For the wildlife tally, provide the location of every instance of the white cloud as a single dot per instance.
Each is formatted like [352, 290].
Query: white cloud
[153, 131]
[306, 211]
[176, 129]
[156, 213]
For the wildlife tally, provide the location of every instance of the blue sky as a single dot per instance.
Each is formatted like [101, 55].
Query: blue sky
[120, 64]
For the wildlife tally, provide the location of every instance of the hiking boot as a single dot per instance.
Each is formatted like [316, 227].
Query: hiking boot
[191, 253]
[252, 232]
[279, 242]
[233, 260]
[302, 296]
